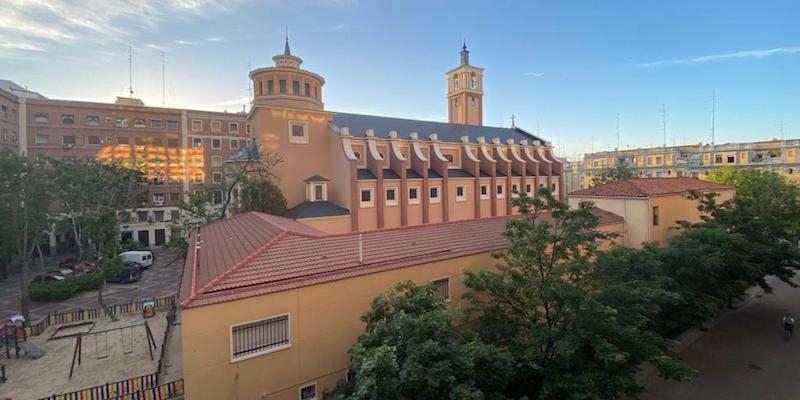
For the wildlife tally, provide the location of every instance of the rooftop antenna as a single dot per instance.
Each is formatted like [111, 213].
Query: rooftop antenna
[781, 130]
[664, 123]
[617, 131]
[593, 144]
[513, 121]
[130, 70]
[713, 115]
[163, 79]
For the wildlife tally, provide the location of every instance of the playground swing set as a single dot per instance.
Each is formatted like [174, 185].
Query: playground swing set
[101, 342]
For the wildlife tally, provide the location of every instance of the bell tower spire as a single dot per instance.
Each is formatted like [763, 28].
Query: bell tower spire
[465, 92]
[286, 50]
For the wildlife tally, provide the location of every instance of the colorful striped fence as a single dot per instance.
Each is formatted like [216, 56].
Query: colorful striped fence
[171, 390]
[140, 388]
[94, 313]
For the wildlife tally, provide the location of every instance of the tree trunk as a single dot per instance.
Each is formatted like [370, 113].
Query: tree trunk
[76, 232]
[22, 251]
[103, 303]
[41, 257]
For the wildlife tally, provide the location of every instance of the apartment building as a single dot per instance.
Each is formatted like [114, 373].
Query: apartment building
[270, 307]
[346, 172]
[696, 160]
[181, 149]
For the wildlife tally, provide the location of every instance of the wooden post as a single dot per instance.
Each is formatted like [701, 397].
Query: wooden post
[150, 340]
[76, 353]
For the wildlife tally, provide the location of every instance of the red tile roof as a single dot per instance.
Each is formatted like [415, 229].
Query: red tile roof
[254, 253]
[647, 187]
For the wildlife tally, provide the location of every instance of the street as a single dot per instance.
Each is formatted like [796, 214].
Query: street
[159, 280]
[744, 355]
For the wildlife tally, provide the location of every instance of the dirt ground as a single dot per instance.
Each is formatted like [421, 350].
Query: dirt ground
[48, 375]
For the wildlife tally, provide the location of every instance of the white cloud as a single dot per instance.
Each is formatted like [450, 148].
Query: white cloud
[723, 57]
[154, 46]
[216, 39]
[536, 74]
[185, 42]
[20, 46]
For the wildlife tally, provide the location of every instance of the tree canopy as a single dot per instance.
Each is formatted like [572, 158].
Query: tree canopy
[618, 172]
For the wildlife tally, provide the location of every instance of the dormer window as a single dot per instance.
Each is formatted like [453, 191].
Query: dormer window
[316, 188]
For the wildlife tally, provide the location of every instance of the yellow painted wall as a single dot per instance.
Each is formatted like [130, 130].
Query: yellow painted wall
[339, 224]
[634, 211]
[674, 208]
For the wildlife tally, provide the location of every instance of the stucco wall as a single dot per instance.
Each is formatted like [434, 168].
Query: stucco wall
[674, 208]
[340, 224]
[634, 211]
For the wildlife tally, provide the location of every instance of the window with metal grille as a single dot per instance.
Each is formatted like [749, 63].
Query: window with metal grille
[260, 337]
[442, 287]
[308, 392]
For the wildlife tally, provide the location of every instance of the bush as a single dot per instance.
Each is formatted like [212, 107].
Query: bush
[131, 245]
[53, 291]
[89, 281]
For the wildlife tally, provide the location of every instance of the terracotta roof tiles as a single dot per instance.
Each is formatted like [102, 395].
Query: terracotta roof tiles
[647, 187]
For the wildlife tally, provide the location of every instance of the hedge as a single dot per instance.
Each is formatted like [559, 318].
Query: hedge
[62, 290]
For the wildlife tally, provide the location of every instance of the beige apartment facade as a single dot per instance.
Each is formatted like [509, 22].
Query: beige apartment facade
[781, 156]
[650, 207]
[274, 316]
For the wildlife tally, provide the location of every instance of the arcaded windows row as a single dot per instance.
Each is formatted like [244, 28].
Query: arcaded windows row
[119, 122]
[298, 88]
[215, 126]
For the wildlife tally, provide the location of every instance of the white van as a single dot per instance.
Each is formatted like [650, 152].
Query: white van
[144, 257]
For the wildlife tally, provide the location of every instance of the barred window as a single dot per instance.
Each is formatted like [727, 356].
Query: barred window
[442, 288]
[308, 392]
[260, 337]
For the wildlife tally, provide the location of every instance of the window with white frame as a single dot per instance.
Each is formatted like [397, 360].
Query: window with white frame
[442, 287]
[216, 161]
[158, 199]
[308, 392]
[528, 188]
[413, 195]
[461, 193]
[260, 337]
[216, 143]
[216, 126]
[391, 196]
[434, 194]
[233, 127]
[298, 132]
[122, 123]
[319, 192]
[198, 159]
[500, 192]
[216, 197]
[366, 198]
[198, 178]
[234, 144]
[216, 177]
[484, 192]
[248, 128]
[514, 189]
[42, 139]
[197, 142]
[197, 125]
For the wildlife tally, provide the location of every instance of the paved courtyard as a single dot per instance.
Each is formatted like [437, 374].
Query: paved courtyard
[160, 280]
[743, 356]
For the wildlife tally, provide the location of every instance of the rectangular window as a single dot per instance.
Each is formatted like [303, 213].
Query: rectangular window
[92, 120]
[449, 157]
[41, 117]
[198, 159]
[122, 123]
[155, 123]
[233, 127]
[216, 143]
[296, 88]
[434, 194]
[139, 123]
[484, 191]
[174, 197]
[174, 215]
[172, 124]
[198, 178]
[68, 118]
[68, 139]
[655, 216]
[216, 161]
[260, 337]
[93, 139]
[298, 132]
[528, 188]
[216, 126]
[216, 197]
[308, 392]
[216, 177]
[122, 140]
[248, 128]
[442, 287]
[197, 125]
[658, 160]
[413, 195]
[307, 89]
[461, 193]
[42, 139]
[514, 189]
[270, 87]
[500, 193]
[391, 196]
[731, 159]
[158, 199]
[233, 144]
[282, 86]
[718, 159]
[319, 194]
[197, 142]
[366, 198]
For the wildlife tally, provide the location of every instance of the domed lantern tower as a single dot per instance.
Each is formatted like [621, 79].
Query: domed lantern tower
[286, 85]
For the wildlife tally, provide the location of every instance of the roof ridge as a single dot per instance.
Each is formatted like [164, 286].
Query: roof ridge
[285, 229]
[428, 121]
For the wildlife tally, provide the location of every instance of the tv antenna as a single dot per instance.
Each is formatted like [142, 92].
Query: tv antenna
[664, 123]
[713, 116]
[618, 131]
[130, 70]
[513, 121]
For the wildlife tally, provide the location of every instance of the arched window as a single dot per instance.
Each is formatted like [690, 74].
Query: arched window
[474, 81]
[455, 83]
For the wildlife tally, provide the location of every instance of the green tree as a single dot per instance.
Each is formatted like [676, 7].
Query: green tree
[261, 195]
[24, 203]
[102, 227]
[618, 172]
[573, 334]
[416, 348]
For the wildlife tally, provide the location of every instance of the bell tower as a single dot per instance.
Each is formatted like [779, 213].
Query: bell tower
[465, 92]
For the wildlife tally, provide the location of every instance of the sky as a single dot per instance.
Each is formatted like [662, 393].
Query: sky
[565, 69]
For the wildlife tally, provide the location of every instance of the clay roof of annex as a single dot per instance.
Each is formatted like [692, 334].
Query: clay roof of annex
[648, 187]
[253, 254]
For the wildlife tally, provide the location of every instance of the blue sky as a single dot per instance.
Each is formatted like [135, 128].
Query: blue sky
[568, 66]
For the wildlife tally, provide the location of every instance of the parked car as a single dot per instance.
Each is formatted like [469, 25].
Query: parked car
[51, 276]
[68, 263]
[85, 268]
[143, 257]
[131, 272]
